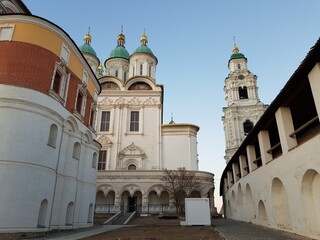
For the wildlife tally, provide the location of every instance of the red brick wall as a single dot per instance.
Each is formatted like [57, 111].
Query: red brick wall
[72, 92]
[26, 65]
[88, 106]
[30, 66]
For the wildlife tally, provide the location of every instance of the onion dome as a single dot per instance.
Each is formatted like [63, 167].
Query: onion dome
[100, 70]
[86, 48]
[120, 51]
[172, 122]
[143, 48]
[235, 52]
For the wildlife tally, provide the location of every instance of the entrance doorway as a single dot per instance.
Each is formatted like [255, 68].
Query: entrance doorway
[132, 202]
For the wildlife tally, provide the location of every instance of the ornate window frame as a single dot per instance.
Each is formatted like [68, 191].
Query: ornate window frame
[141, 117]
[6, 32]
[64, 54]
[60, 95]
[92, 116]
[80, 113]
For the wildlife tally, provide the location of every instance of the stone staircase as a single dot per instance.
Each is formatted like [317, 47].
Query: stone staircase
[121, 219]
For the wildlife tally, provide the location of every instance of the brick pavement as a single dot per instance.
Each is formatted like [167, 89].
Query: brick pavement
[236, 230]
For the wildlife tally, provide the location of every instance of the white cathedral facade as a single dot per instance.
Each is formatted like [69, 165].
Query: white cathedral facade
[136, 145]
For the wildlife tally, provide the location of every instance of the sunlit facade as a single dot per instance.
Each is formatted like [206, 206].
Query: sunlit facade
[48, 151]
[136, 145]
[273, 179]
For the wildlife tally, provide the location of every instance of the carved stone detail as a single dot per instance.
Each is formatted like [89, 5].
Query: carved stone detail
[104, 140]
[134, 101]
[105, 101]
[150, 102]
[132, 151]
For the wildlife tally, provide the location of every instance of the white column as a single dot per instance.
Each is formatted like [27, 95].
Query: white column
[251, 153]
[264, 144]
[235, 170]
[122, 117]
[160, 162]
[243, 165]
[285, 128]
[229, 176]
[226, 185]
[314, 79]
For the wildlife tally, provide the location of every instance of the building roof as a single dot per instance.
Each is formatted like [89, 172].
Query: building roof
[237, 56]
[86, 48]
[119, 52]
[143, 49]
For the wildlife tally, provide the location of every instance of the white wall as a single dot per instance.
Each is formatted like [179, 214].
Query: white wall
[288, 187]
[32, 171]
[179, 145]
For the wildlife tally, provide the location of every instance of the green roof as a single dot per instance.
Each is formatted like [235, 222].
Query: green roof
[237, 56]
[87, 49]
[143, 49]
[119, 52]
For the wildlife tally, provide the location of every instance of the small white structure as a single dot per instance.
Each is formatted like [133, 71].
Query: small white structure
[197, 211]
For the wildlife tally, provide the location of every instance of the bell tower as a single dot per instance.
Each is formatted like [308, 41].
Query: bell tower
[244, 107]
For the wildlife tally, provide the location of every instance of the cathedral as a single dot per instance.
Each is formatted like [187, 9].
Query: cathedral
[136, 144]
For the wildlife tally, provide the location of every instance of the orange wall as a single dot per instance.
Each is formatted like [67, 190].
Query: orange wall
[48, 39]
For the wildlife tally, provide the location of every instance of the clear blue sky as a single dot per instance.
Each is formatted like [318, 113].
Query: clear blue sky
[192, 40]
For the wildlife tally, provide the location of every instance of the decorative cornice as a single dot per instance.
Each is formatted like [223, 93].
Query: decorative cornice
[132, 101]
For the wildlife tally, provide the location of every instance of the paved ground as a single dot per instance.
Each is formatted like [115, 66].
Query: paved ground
[236, 230]
[151, 228]
[228, 230]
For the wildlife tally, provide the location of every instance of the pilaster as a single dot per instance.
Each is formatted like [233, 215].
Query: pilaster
[285, 128]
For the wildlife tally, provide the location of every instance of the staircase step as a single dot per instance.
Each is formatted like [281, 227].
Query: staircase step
[120, 220]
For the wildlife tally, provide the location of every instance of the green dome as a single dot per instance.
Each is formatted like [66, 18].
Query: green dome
[143, 49]
[237, 56]
[119, 52]
[86, 48]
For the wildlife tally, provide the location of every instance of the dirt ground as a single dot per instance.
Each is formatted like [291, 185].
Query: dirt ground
[141, 228]
[153, 228]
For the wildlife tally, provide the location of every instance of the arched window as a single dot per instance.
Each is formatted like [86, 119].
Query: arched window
[94, 160]
[132, 167]
[116, 73]
[247, 127]
[149, 74]
[90, 213]
[141, 68]
[76, 150]
[243, 93]
[69, 213]
[42, 214]
[52, 141]
[239, 66]
[140, 86]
